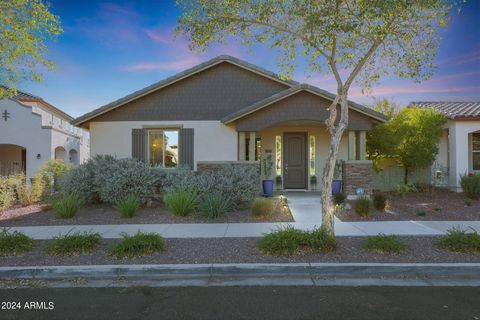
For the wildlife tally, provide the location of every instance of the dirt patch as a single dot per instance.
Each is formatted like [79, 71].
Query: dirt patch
[243, 250]
[438, 205]
[41, 215]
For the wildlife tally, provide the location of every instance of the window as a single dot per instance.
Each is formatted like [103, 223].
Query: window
[258, 148]
[163, 148]
[278, 155]
[476, 150]
[312, 155]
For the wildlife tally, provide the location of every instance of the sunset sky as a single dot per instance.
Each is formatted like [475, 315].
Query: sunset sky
[110, 49]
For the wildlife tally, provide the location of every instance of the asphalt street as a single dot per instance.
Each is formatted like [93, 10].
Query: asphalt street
[243, 303]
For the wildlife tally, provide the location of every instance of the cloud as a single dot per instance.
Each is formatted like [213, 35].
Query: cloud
[464, 59]
[168, 65]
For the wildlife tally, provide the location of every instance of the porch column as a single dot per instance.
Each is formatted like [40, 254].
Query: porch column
[351, 145]
[241, 146]
[251, 147]
[363, 145]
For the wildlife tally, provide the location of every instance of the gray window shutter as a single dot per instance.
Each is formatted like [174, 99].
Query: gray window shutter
[139, 144]
[186, 147]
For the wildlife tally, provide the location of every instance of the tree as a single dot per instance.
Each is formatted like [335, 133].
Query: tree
[411, 137]
[385, 106]
[25, 27]
[361, 39]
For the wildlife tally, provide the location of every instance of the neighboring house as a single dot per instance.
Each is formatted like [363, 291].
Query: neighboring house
[459, 149]
[33, 131]
[227, 110]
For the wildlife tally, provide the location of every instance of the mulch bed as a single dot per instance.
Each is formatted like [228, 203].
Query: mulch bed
[439, 205]
[243, 250]
[41, 215]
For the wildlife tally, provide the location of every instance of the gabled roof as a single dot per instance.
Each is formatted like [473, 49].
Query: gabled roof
[24, 96]
[177, 77]
[291, 91]
[452, 110]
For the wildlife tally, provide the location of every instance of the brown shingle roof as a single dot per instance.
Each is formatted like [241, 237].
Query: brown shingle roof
[452, 110]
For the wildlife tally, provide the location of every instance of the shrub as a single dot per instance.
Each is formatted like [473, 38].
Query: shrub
[14, 243]
[468, 203]
[379, 201]
[437, 209]
[339, 198]
[52, 172]
[7, 192]
[385, 244]
[363, 206]
[287, 241]
[403, 189]
[68, 205]
[263, 207]
[138, 245]
[181, 202]
[74, 244]
[29, 194]
[458, 240]
[128, 206]
[421, 213]
[107, 179]
[471, 185]
[213, 205]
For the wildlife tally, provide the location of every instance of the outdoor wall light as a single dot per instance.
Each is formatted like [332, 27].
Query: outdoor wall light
[38, 156]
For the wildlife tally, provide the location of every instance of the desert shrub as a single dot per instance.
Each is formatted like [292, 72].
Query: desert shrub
[14, 243]
[138, 245]
[468, 202]
[68, 205]
[29, 194]
[128, 206]
[420, 213]
[7, 192]
[458, 240]
[402, 189]
[287, 241]
[385, 244]
[379, 201]
[339, 198]
[74, 244]
[52, 172]
[471, 185]
[263, 207]
[181, 202]
[437, 209]
[363, 206]
[108, 179]
[213, 205]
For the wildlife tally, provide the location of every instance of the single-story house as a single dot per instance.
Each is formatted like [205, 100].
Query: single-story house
[32, 131]
[459, 148]
[228, 110]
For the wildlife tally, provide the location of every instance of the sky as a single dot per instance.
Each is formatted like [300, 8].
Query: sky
[111, 49]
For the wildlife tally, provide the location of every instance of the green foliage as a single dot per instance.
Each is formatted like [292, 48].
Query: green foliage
[363, 206]
[263, 207]
[420, 213]
[7, 191]
[402, 189]
[138, 245]
[25, 29]
[386, 107]
[468, 202]
[74, 244]
[128, 206]
[313, 180]
[14, 243]
[411, 137]
[287, 241]
[52, 172]
[68, 205]
[458, 240]
[339, 198]
[437, 209]
[181, 202]
[213, 205]
[385, 244]
[267, 165]
[379, 201]
[278, 181]
[337, 173]
[29, 194]
[470, 184]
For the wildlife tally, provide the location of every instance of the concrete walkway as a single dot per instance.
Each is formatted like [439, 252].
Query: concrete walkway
[306, 211]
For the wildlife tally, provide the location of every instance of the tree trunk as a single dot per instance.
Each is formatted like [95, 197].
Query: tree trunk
[405, 177]
[328, 209]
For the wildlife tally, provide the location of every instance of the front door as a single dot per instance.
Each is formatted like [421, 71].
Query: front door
[295, 160]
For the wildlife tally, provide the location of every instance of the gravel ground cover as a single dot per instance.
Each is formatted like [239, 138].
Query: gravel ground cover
[439, 205]
[243, 250]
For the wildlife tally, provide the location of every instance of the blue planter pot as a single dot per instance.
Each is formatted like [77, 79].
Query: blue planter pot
[336, 187]
[267, 187]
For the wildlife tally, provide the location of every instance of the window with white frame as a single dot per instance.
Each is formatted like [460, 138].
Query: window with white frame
[476, 151]
[163, 148]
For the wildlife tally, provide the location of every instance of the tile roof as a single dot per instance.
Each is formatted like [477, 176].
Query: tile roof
[452, 110]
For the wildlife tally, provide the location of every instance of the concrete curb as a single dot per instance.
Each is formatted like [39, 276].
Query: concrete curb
[310, 274]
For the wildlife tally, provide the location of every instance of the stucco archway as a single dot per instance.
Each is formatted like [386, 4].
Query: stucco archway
[73, 156]
[60, 153]
[13, 159]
